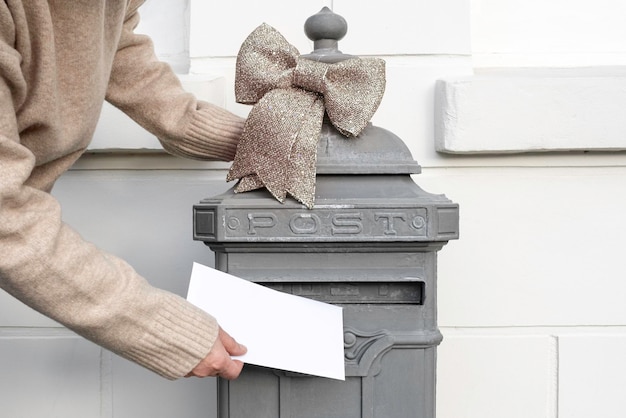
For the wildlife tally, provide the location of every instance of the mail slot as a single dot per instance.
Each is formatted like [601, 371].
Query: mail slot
[369, 244]
[409, 293]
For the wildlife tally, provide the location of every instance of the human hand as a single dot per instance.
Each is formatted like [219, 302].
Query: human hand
[218, 362]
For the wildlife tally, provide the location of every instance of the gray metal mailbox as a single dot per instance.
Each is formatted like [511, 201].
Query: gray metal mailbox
[369, 245]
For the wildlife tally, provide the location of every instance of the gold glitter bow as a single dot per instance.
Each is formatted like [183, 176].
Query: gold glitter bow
[278, 148]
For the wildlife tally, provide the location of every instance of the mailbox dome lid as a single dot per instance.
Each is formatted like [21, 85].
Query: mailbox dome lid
[374, 151]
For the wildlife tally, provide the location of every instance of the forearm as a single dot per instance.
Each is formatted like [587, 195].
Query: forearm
[43, 261]
[51, 268]
[150, 93]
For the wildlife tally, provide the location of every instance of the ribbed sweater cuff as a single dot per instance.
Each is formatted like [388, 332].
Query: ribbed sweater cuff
[182, 336]
[213, 132]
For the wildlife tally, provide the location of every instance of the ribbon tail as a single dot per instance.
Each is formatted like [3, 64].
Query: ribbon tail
[244, 166]
[274, 139]
[248, 183]
[304, 156]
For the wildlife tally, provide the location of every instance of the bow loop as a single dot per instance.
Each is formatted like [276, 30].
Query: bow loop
[352, 89]
[265, 62]
[278, 148]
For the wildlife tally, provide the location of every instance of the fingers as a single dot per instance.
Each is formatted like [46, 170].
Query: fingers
[231, 345]
[232, 371]
[219, 362]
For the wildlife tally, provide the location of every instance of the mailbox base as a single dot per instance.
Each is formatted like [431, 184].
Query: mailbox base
[399, 385]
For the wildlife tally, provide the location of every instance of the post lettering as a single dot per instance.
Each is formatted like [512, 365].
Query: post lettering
[347, 223]
[388, 220]
[304, 223]
[260, 220]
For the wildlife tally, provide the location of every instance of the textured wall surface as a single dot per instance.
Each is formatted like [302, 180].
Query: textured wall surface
[531, 295]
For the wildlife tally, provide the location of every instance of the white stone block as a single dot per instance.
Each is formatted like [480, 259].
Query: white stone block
[538, 246]
[167, 23]
[524, 111]
[495, 376]
[219, 28]
[138, 393]
[49, 377]
[556, 26]
[398, 27]
[592, 375]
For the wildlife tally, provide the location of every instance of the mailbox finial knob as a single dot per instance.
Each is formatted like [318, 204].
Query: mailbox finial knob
[325, 29]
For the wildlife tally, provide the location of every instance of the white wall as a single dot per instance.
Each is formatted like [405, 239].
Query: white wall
[548, 33]
[530, 296]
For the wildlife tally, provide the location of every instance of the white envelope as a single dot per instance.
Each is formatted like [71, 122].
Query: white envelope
[280, 330]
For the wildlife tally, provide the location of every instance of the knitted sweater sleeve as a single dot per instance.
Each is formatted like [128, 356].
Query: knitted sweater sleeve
[47, 265]
[151, 94]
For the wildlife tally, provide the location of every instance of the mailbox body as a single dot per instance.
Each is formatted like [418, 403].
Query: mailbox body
[369, 245]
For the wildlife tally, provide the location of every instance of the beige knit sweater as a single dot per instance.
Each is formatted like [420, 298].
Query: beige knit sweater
[59, 60]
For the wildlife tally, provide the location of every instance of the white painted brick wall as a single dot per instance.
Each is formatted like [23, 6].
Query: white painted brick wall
[592, 374]
[42, 375]
[482, 373]
[530, 296]
[553, 33]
